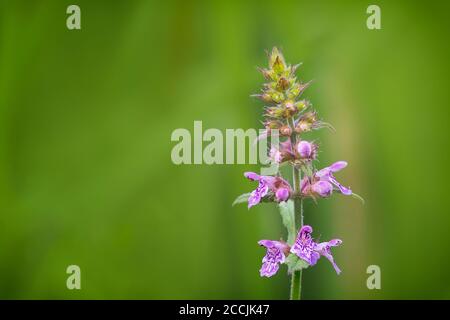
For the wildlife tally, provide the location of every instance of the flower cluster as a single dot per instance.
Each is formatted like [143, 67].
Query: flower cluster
[288, 116]
[304, 247]
[271, 188]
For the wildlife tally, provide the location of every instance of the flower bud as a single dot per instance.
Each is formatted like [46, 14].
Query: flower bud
[301, 105]
[306, 150]
[272, 124]
[290, 107]
[282, 194]
[285, 131]
[277, 97]
[282, 84]
[306, 122]
[294, 91]
[276, 61]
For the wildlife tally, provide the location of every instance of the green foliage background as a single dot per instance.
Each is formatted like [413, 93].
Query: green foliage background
[86, 118]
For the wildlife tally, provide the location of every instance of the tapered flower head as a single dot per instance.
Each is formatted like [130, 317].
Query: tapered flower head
[275, 254]
[282, 90]
[272, 188]
[310, 251]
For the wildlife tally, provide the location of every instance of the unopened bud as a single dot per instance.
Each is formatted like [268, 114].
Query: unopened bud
[306, 122]
[301, 105]
[285, 131]
[276, 61]
[282, 84]
[306, 150]
[290, 107]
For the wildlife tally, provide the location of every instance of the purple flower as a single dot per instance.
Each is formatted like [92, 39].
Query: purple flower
[310, 251]
[304, 246]
[326, 174]
[323, 182]
[275, 155]
[322, 188]
[283, 153]
[306, 150]
[279, 188]
[276, 254]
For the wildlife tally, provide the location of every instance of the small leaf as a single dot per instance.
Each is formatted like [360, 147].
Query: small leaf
[294, 263]
[242, 198]
[288, 217]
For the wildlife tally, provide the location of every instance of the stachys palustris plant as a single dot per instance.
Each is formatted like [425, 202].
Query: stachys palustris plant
[288, 117]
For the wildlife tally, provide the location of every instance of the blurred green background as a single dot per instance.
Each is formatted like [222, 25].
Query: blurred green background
[86, 117]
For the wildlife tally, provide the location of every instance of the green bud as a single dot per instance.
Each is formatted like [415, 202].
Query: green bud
[277, 97]
[306, 122]
[301, 105]
[282, 84]
[278, 66]
[272, 124]
[276, 62]
[294, 91]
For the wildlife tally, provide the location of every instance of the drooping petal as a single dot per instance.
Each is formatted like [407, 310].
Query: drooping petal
[268, 269]
[274, 256]
[258, 194]
[343, 189]
[324, 249]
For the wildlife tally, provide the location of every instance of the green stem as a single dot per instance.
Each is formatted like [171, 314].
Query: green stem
[296, 278]
[296, 285]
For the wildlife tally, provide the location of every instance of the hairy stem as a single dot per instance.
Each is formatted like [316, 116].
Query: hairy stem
[296, 278]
